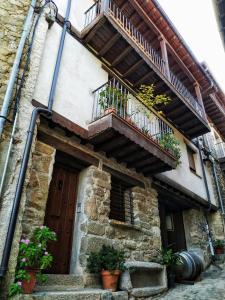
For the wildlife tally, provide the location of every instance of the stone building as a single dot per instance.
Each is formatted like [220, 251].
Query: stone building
[91, 168]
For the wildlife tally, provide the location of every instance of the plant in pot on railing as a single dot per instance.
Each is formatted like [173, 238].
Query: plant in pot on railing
[33, 258]
[110, 263]
[171, 144]
[171, 260]
[218, 247]
[112, 99]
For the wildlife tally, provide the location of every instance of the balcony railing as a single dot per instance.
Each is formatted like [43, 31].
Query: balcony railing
[220, 150]
[216, 149]
[114, 97]
[117, 14]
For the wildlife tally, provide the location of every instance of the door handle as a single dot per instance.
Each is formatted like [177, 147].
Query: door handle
[60, 185]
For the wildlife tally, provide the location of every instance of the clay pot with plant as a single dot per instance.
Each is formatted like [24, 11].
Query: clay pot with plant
[112, 100]
[171, 260]
[218, 247]
[33, 258]
[109, 262]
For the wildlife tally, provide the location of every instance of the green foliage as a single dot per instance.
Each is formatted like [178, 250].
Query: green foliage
[112, 97]
[108, 258]
[169, 258]
[218, 244]
[147, 96]
[15, 289]
[169, 143]
[32, 255]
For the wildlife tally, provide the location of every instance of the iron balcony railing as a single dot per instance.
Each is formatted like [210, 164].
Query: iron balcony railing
[217, 149]
[117, 14]
[114, 97]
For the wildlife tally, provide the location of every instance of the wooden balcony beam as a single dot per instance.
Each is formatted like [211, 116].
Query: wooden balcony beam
[133, 68]
[121, 56]
[110, 43]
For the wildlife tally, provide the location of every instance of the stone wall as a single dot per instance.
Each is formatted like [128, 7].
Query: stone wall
[195, 232]
[140, 241]
[37, 190]
[19, 142]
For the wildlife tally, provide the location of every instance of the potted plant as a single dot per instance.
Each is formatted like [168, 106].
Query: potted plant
[169, 143]
[33, 258]
[109, 262]
[218, 246]
[171, 260]
[111, 99]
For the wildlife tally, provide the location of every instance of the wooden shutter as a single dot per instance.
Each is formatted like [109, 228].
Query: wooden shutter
[191, 159]
[121, 208]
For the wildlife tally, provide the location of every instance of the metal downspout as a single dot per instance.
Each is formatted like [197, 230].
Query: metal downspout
[26, 154]
[13, 75]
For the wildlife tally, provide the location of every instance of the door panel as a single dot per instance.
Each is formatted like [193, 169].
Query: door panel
[60, 212]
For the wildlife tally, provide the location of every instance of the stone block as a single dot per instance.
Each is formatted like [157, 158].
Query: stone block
[95, 228]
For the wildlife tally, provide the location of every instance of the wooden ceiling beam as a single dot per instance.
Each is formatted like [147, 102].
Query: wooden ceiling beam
[133, 68]
[122, 55]
[110, 43]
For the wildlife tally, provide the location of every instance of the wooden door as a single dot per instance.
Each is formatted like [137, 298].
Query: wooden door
[60, 213]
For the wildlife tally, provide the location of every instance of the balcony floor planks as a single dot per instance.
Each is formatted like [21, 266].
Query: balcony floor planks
[136, 145]
[134, 54]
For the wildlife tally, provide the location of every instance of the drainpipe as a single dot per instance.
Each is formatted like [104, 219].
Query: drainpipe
[13, 75]
[26, 154]
[209, 201]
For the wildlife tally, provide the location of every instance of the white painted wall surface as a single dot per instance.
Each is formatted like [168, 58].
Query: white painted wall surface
[80, 74]
[78, 8]
[185, 177]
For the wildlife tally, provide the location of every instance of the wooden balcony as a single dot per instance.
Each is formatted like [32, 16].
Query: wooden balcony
[126, 130]
[115, 40]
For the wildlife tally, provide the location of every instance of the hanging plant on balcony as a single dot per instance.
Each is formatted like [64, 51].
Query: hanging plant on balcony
[146, 94]
[169, 143]
[112, 99]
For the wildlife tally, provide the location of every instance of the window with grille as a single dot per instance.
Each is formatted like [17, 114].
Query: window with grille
[121, 206]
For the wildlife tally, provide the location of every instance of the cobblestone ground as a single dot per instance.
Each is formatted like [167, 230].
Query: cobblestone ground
[211, 287]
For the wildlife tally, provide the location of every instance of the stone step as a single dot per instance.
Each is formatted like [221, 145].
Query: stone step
[58, 282]
[84, 294]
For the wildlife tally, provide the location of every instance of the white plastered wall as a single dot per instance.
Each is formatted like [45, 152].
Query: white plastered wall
[185, 177]
[80, 74]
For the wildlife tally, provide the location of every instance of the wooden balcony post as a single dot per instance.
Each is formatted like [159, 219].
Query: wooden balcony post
[199, 97]
[165, 56]
[104, 5]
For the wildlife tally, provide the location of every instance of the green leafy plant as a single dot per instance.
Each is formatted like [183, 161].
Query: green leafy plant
[218, 244]
[169, 258]
[108, 258]
[147, 96]
[169, 143]
[112, 97]
[32, 255]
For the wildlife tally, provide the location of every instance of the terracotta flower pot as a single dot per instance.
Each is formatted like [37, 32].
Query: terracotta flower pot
[29, 285]
[219, 250]
[110, 110]
[110, 280]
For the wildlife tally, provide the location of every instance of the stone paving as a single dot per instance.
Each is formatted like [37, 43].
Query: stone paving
[210, 287]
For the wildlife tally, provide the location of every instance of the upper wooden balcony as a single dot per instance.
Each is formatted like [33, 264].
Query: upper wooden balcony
[128, 131]
[110, 34]
[217, 149]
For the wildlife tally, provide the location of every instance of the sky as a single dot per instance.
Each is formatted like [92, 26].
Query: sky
[195, 20]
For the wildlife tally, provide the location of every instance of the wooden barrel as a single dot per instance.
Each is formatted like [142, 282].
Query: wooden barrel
[191, 266]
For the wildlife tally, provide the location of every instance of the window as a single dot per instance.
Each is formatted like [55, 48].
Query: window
[191, 158]
[121, 207]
